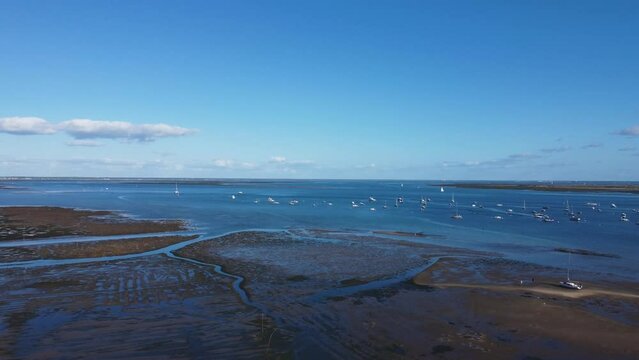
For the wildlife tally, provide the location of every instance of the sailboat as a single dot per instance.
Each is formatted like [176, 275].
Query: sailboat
[177, 191]
[441, 189]
[456, 216]
[569, 284]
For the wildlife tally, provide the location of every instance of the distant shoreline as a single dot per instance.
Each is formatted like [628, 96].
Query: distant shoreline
[632, 189]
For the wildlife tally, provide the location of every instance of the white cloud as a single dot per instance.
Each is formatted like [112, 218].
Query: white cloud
[230, 165]
[92, 129]
[87, 143]
[223, 163]
[632, 131]
[82, 129]
[26, 126]
[282, 161]
[277, 160]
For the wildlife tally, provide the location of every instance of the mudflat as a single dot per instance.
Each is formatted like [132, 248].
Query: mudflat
[34, 222]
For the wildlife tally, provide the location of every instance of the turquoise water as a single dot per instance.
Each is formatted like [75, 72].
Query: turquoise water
[210, 208]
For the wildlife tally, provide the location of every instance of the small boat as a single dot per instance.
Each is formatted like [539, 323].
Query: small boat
[385, 205]
[371, 199]
[456, 216]
[500, 205]
[441, 189]
[330, 204]
[354, 204]
[177, 191]
[400, 199]
[569, 284]
[293, 202]
[548, 219]
[575, 218]
[271, 201]
[624, 217]
[613, 205]
[232, 197]
[497, 217]
[509, 211]
[373, 209]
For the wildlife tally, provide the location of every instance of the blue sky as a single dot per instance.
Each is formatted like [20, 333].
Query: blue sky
[539, 90]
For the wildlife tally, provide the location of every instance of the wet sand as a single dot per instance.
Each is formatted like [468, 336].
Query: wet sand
[152, 307]
[467, 305]
[24, 222]
[319, 293]
[603, 310]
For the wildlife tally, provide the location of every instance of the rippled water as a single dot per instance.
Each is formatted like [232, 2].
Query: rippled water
[211, 210]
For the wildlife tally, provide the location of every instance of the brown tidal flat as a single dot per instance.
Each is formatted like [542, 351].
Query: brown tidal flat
[330, 294]
[25, 222]
[92, 249]
[605, 312]
[467, 305]
[152, 308]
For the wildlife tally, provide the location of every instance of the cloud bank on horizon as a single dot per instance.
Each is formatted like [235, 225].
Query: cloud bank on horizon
[84, 129]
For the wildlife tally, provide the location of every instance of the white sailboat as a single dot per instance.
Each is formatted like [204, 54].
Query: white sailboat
[457, 216]
[177, 191]
[441, 189]
[569, 284]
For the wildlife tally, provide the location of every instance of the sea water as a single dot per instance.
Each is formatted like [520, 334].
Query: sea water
[209, 207]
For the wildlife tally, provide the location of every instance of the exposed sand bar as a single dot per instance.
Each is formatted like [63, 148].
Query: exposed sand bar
[545, 289]
[25, 222]
[549, 187]
[451, 273]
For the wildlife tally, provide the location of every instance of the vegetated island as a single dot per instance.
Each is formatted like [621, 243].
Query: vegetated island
[36, 222]
[634, 189]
